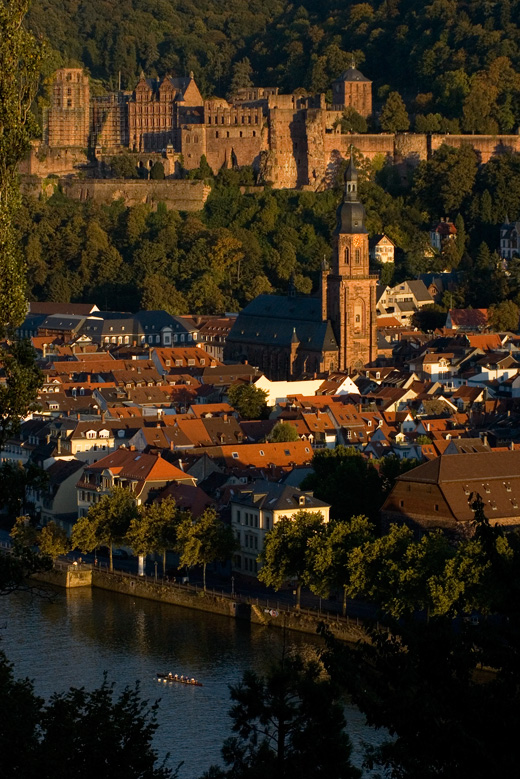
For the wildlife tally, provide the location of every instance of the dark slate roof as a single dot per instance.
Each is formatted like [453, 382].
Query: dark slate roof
[276, 497]
[352, 74]
[32, 321]
[62, 322]
[271, 319]
[155, 320]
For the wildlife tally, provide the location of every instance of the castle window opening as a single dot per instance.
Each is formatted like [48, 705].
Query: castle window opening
[216, 133]
[69, 103]
[254, 133]
[240, 133]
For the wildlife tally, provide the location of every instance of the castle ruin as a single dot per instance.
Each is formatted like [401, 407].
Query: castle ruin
[293, 141]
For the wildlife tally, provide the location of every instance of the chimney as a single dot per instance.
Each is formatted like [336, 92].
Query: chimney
[181, 468]
[132, 448]
[103, 416]
[78, 416]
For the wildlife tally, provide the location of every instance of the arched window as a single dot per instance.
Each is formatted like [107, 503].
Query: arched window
[358, 256]
[347, 256]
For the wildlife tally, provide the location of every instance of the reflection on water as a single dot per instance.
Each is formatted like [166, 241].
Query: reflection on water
[72, 640]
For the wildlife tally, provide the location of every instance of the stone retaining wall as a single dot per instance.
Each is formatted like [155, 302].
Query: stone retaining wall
[303, 622]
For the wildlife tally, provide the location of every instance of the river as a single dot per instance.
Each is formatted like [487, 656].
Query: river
[81, 633]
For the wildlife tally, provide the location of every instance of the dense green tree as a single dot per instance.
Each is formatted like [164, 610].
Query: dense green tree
[75, 729]
[283, 431]
[352, 122]
[23, 533]
[15, 482]
[157, 171]
[504, 316]
[394, 117]
[158, 293]
[329, 555]
[242, 72]
[204, 540]
[286, 549]
[155, 530]
[342, 472]
[401, 574]
[20, 60]
[123, 166]
[421, 680]
[429, 318]
[106, 523]
[248, 400]
[444, 182]
[287, 723]
[17, 567]
[53, 541]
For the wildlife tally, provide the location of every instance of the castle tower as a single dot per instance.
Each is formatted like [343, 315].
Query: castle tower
[352, 89]
[67, 120]
[350, 290]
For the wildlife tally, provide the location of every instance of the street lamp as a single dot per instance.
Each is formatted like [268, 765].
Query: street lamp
[155, 564]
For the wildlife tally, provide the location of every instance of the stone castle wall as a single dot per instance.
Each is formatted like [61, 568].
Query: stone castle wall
[177, 195]
[43, 161]
[486, 146]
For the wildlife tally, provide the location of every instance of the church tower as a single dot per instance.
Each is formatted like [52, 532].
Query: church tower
[348, 290]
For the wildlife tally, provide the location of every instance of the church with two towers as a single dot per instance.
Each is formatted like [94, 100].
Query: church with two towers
[292, 336]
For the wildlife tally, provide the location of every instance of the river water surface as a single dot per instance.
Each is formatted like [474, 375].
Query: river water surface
[81, 633]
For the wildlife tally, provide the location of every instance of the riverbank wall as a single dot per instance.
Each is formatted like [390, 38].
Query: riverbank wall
[65, 577]
[256, 611]
[253, 610]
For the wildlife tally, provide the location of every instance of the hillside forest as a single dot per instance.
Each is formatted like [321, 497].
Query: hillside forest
[456, 63]
[250, 240]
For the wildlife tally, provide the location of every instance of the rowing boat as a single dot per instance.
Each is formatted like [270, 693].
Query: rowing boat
[179, 679]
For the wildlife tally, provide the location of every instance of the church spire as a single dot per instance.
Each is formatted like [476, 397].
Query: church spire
[351, 213]
[351, 180]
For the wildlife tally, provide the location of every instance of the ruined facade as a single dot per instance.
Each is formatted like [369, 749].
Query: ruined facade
[67, 121]
[291, 140]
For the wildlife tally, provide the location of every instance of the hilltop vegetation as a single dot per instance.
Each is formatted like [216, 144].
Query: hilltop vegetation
[242, 245]
[454, 59]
